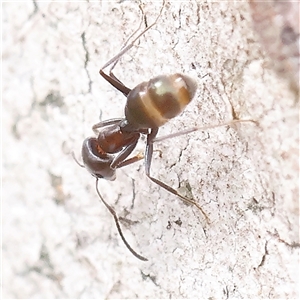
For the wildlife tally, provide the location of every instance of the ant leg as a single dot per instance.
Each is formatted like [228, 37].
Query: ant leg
[112, 79]
[115, 83]
[114, 214]
[149, 151]
[106, 123]
[123, 155]
[143, 19]
[131, 160]
[196, 128]
[128, 39]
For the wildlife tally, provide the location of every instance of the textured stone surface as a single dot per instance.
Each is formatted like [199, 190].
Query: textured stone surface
[60, 242]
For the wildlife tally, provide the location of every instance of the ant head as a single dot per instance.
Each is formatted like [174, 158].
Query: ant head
[96, 161]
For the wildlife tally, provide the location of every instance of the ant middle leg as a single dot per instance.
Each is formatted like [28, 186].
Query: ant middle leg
[148, 159]
[139, 156]
[131, 160]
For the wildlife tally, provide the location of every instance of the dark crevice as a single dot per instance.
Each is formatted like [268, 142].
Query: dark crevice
[87, 58]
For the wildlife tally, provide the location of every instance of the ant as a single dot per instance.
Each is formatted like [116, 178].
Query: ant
[149, 106]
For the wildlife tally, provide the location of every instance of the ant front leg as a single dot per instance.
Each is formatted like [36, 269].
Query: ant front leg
[120, 161]
[131, 160]
[197, 128]
[148, 159]
[106, 123]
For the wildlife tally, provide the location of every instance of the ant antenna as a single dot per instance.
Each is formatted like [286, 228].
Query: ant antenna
[114, 214]
[76, 160]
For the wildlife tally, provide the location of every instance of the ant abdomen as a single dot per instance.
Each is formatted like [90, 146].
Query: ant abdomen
[151, 104]
[96, 161]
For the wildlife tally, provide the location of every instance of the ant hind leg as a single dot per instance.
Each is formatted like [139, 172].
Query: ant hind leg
[126, 42]
[111, 78]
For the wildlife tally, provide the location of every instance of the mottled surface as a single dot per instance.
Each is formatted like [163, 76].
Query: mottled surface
[60, 242]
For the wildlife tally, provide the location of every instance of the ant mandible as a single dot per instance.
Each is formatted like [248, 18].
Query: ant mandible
[149, 106]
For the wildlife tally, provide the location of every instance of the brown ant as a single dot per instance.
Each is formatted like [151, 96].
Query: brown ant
[149, 106]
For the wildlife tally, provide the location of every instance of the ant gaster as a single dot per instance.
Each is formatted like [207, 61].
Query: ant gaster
[149, 105]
